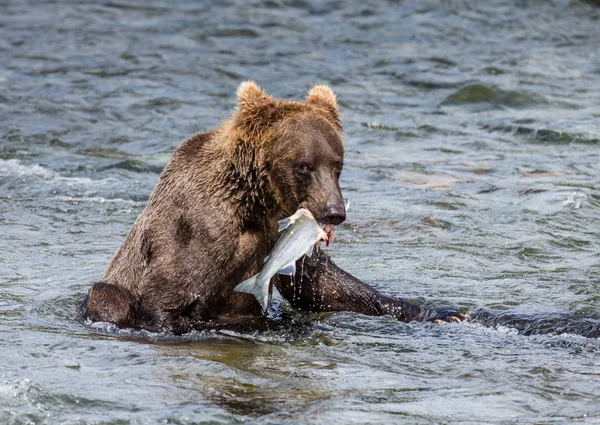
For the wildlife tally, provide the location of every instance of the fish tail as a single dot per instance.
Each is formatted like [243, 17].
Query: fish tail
[256, 287]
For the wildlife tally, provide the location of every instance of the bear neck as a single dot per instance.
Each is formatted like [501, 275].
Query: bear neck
[247, 185]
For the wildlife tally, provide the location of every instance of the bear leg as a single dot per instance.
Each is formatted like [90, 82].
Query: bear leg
[110, 303]
[319, 285]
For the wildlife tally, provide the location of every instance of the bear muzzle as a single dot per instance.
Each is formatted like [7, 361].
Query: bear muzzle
[334, 214]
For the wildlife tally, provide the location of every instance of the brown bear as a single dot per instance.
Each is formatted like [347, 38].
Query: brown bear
[212, 219]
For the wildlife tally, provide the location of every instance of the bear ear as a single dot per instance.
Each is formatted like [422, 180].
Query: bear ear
[324, 98]
[251, 97]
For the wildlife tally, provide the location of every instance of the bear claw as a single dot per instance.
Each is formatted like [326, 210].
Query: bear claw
[456, 319]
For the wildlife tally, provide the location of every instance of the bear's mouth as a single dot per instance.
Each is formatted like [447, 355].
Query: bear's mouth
[328, 228]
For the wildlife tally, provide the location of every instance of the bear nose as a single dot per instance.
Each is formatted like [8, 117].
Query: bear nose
[334, 214]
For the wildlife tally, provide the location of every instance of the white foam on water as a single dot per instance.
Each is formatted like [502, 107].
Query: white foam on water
[575, 200]
[13, 167]
[92, 200]
[15, 390]
[497, 330]
[103, 326]
[111, 328]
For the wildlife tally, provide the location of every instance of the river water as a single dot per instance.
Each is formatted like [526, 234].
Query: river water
[472, 163]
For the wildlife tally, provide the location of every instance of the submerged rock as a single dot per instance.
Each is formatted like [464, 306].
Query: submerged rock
[479, 93]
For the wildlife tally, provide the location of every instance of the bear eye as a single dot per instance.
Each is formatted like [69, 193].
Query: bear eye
[338, 169]
[303, 168]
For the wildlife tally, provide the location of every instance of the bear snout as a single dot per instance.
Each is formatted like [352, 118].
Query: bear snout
[334, 214]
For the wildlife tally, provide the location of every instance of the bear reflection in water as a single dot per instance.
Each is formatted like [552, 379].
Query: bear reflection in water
[212, 218]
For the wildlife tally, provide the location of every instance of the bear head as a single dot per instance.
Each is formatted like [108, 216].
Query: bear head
[291, 152]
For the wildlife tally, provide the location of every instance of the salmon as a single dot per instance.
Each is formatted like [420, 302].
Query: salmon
[301, 233]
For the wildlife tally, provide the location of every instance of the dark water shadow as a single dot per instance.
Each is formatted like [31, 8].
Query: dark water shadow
[537, 322]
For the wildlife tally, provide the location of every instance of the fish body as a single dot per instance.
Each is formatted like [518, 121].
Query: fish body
[300, 234]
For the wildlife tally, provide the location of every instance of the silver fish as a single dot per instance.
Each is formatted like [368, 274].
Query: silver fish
[301, 234]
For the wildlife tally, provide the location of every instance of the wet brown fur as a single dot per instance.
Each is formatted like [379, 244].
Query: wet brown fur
[212, 218]
[209, 222]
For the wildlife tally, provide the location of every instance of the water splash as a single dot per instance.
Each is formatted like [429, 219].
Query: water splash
[575, 200]
[14, 167]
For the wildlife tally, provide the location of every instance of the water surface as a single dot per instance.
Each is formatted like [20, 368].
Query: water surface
[472, 138]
